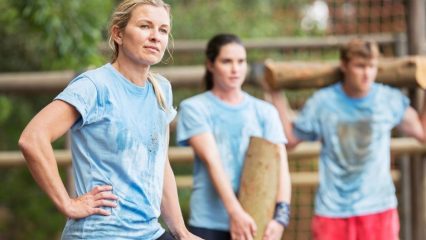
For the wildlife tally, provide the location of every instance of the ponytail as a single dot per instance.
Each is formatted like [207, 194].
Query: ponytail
[158, 92]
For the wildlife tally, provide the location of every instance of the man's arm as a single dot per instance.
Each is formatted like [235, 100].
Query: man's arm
[281, 104]
[414, 124]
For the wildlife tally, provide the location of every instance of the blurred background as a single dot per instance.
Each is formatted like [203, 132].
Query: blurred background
[56, 39]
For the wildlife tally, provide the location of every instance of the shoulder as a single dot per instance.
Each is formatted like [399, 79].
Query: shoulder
[197, 101]
[390, 96]
[329, 94]
[98, 77]
[326, 92]
[260, 104]
[386, 89]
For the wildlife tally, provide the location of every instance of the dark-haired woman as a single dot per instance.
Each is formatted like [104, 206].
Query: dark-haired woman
[218, 124]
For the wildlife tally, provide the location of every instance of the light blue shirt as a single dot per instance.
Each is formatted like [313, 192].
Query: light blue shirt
[231, 126]
[119, 140]
[354, 167]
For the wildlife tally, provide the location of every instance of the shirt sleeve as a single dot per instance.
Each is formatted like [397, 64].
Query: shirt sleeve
[273, 128]
[191, 122]
[307, 125]
[398, 103]
[81, 93]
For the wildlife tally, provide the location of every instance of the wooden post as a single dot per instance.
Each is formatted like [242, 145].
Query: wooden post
[259, 182]
[405, 203]
[418, 178]
[416, 31]
[400, 72]
[416, 36]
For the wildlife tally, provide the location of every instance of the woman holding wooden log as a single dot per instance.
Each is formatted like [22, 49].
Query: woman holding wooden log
[218, 124]
[353, 120]
[118, 116]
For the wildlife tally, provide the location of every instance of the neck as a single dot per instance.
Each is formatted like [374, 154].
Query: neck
[353, 93]
[136, 74]
[232, 97]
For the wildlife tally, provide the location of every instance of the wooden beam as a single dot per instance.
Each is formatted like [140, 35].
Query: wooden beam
[399, 72]
[34, 81]
[282, 43]
[55, 81]
[297, 179]
[179, 77]
[305, 150]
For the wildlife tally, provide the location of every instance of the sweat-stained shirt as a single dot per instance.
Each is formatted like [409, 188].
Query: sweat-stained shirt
[231, 126]
[355, 133]
[119, 140]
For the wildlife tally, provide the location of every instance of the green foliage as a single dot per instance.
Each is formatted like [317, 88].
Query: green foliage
[213, 16]
[65, 33]
[31, 214]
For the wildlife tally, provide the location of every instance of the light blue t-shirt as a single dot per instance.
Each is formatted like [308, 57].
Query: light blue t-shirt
[119, 140]
[354, 167]
[231, 126]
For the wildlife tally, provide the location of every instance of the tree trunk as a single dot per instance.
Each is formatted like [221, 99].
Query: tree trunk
[259, 182]
[398, 72]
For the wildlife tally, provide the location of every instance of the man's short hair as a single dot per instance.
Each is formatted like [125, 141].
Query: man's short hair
[359, 48]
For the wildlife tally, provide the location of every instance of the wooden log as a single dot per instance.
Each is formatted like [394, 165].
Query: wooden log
[259, 182]
[398, 72]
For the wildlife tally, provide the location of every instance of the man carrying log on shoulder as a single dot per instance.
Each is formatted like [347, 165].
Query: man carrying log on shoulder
[353, 120]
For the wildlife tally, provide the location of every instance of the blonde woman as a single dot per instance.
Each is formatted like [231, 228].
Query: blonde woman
[118, 116]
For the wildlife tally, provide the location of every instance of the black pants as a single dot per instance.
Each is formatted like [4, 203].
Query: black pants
[210, 234]
[166, 236]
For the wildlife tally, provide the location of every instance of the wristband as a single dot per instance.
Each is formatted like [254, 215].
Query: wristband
[282, 213]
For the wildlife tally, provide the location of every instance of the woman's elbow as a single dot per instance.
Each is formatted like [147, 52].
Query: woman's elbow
[27, 141]
[24, 142]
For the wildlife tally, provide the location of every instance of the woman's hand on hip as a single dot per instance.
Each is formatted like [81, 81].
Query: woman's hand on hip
[91, 203]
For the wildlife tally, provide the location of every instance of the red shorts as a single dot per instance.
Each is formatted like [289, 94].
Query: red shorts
[378, 226]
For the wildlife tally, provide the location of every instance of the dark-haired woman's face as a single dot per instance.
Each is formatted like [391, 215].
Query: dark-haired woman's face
[229, 68]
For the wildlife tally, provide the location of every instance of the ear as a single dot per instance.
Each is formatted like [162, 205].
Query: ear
[209, 65]
[343, 66]
[117, 35]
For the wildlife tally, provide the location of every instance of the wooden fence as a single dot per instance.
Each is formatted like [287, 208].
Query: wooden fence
[306, 150]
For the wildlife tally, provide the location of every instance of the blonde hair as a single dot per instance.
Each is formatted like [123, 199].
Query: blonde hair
[120, 18]
[359, 48]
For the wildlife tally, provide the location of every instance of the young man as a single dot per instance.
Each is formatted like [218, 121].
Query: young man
[353, 120]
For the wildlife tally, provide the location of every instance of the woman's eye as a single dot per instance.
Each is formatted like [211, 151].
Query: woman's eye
[144, 26]
[164, 31]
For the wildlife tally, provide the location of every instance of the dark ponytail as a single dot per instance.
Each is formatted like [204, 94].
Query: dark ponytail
[213, 48]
